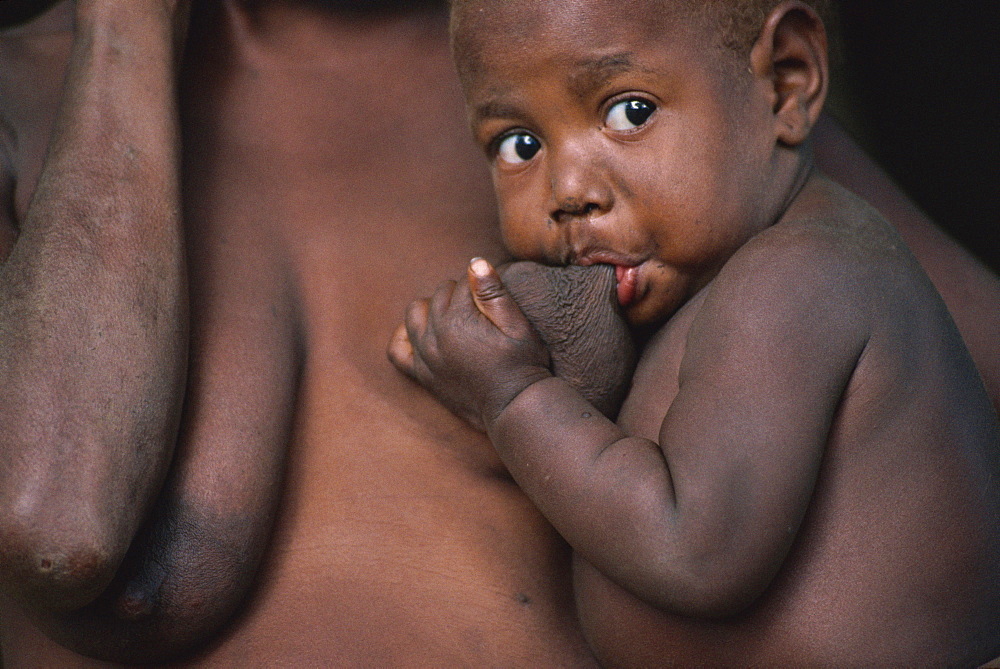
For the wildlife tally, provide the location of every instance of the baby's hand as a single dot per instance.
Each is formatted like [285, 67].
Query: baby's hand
[471, 346]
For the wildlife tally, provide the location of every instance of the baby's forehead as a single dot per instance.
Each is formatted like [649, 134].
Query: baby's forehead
[517, 19]
[487, 32]
[497, 42]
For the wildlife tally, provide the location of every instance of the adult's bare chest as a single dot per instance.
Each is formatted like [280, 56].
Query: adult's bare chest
[379, 477]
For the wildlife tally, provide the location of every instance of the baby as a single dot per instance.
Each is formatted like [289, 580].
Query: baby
[805, 469]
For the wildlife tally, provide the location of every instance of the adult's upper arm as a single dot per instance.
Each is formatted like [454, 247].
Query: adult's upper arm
[970, 290]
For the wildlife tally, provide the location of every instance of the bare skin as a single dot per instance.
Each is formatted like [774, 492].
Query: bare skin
[804, 471]
[398, 537]
[574, 311]
[401, 539]
[968, 287]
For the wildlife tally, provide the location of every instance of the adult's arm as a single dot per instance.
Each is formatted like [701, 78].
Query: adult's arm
[969, 288]
[93, 316]
[94, 348]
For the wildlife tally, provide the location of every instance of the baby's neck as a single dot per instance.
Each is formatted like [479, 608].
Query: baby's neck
[792, 168]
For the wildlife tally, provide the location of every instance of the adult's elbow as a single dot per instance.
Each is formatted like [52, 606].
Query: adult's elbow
[52, 566]
[168, 601]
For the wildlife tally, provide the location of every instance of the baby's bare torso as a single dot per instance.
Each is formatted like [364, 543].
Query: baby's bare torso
[897, 560]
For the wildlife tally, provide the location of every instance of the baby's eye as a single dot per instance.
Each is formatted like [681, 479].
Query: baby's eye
[629, 114]
[518, 148]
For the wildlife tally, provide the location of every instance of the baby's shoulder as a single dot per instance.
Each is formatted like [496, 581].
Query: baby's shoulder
[831, 260]
[828, 242]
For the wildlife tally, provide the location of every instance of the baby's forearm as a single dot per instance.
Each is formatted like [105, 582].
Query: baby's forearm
[611, 496]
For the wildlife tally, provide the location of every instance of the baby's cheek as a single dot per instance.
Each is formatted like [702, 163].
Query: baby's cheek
[527, 230]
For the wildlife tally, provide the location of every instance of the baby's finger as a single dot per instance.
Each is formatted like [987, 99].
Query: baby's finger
[442, 297]
[494, 302]
[400, 351]
[417, 321]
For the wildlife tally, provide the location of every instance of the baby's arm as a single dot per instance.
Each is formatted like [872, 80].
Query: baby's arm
[700, 522]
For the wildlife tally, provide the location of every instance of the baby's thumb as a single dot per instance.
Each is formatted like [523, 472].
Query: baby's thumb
[494, 302]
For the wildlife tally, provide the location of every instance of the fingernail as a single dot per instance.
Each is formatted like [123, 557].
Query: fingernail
[480, 267]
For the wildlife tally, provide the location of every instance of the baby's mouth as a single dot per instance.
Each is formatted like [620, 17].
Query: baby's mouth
[628, 278]
[626, 270]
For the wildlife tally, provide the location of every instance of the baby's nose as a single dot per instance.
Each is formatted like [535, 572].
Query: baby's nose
[579, 189]
[577, 207]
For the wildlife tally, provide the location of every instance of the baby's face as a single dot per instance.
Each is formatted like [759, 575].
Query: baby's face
[616, 139]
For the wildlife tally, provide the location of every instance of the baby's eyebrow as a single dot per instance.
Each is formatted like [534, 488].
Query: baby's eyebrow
[592, 73]
[494, 108]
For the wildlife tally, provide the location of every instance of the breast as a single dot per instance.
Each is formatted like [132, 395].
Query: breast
[401, 539]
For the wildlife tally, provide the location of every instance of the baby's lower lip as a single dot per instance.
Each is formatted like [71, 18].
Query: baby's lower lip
[628, 277]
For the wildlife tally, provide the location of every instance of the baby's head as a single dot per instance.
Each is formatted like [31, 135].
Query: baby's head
[654, 135]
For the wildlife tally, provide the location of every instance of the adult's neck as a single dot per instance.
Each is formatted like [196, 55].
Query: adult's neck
[358, 12]
[346, 30]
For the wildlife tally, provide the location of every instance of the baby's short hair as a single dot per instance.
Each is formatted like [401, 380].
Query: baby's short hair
[740, 21]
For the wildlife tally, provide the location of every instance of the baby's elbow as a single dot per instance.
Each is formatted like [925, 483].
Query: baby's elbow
[709, 587]
[712, 597]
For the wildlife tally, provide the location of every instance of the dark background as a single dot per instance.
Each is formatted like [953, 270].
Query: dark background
[921, 82]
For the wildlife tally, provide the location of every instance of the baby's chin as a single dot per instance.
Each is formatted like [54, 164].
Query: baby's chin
[655, 305]
[640, 318]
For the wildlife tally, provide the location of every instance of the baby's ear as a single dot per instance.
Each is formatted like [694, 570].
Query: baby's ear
[791, 53]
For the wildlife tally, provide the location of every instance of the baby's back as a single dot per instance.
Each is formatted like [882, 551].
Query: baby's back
[897, 558]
